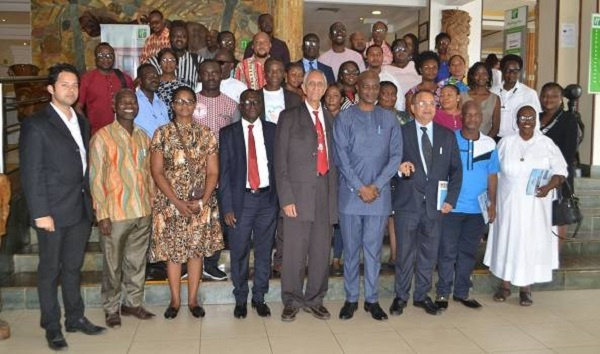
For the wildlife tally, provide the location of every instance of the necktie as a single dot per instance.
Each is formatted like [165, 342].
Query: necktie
[312, 65]
[253, 177]
[322, 164]
[427, 149]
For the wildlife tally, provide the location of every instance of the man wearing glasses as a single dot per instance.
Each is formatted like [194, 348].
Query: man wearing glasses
[153, 112]
[249, 200]
[310, 53]
[229, 86]
[338, 54]
[513, 94]
[98, 87]
[378, 33]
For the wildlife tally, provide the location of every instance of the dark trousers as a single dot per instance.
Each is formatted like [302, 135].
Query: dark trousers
[278, 255]
[418, 238]
[461, 234]
[307, 242]
[338, 242]
[61, 255]
[255, 226]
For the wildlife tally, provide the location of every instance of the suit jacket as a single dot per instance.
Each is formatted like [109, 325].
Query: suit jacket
[446, 166]
[290, 99]
[233, 166]
[326, 69]
[51, 170]
[296, 161]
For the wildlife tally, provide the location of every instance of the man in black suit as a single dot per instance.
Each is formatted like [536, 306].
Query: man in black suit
[249, 200]
[307, 188]
[54, 173]
[430, 156]
[310, 52]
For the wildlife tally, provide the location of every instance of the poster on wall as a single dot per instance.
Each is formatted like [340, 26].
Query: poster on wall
[127, 41]
[594, 69]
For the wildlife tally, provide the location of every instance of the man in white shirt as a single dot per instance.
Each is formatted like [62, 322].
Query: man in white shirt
[338, 54]
[375, 60]
[229, 86]
[513, 94]
[275, 97]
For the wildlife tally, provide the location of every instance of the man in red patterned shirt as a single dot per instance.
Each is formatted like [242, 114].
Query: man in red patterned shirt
[159, 37]
[251, 71]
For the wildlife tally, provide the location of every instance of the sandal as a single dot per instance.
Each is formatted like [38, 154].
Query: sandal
[525, 298]
[501, 294]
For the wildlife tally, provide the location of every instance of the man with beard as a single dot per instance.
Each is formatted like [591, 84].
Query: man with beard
[98, 87]
[231, 87]
[187, 66]
[378, 34]
[358, 42]
[119, 170]
[368, 151]
[279, 48]
[159, 36]
[251, 70]
[153, 112]
[403, 68]
[338, 54]
[374, 61]
[310, 52]
[212, 45]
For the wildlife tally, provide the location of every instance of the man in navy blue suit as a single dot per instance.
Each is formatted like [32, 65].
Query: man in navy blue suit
[249, 200]
[310, 53]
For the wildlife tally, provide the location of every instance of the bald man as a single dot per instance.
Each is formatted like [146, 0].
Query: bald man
[367, 152]
[251, 71]
[279, 48]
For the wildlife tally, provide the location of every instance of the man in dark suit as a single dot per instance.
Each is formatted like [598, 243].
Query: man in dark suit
[249, 200]
[310, 53]
[307, 188]
[430, 156]
[54, 173]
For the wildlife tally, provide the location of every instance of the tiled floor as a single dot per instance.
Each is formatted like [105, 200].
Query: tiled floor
[559, 322]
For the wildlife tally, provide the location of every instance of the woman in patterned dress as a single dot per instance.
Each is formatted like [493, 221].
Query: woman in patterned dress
[168, 80]
[348, 76]
[184, 230]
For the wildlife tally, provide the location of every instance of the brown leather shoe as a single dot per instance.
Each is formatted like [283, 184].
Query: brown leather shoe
[289, 314]
[138, 312]
[319, 312]
[113, 320]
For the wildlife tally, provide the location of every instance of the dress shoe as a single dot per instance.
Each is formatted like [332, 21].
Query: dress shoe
[240, 310]
[261, 308]
[376, 311]
[197, 311]
[428, 306]
[214, 273]
[289, 314]
[171, 312]
[113, 320]
[319, 312]
[84, 325]
[276, 271]
[441, 301]
[56, 340]
[397, 307]
[347, 311]
[138, 312]
[337, 270]
[525, 298]
[471, 303]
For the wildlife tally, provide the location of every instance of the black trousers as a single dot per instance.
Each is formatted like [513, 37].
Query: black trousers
[61, 255]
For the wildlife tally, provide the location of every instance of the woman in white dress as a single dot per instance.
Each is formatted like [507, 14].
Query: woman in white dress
[521, 249]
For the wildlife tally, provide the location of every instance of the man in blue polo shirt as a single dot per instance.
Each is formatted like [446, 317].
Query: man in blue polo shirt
[463, 228]
[153, 112]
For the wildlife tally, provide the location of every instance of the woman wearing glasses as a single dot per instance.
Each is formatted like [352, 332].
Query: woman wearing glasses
[168, 80]
[348, 76]
[521, 249]
[185, 225]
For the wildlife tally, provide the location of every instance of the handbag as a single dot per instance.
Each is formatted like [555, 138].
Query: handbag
[196, 193]
[565, 210]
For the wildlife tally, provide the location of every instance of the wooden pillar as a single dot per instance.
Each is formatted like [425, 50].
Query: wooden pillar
[457, 24]
[289, 25]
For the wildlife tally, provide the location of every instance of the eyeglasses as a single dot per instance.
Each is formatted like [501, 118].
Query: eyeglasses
[182, 102]
[250, 103]
[513, 71]
[429, 67]
[105, 56]
[338, 31]
[350, 72]
[400, 49]
[379, 30]
[426, 104]
[311, 44]
[168, 60]
[526, 118]
[226, 42]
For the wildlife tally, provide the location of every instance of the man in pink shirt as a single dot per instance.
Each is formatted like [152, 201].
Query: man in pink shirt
[338, 53]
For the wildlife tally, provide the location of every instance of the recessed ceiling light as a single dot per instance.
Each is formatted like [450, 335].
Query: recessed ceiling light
[361, 18]
[376, 12]
[24, 43]
[3, 20]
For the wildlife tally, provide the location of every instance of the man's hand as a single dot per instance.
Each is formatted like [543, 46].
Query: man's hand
[492, 212]
[105, 227]
[230, 219]
[290, 211]
[407, 168]
[368, 194]
[45, 223]
[446, 208]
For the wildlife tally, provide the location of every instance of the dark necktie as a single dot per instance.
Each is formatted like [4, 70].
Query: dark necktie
[427, 149]
[253, 177]
[322, 164]
[312, 65]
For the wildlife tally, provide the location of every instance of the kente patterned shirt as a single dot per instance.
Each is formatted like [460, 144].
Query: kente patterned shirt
[154, 44]
[251, 72]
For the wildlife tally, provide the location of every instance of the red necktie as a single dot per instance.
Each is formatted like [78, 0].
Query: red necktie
[322, 165]
[253, 178]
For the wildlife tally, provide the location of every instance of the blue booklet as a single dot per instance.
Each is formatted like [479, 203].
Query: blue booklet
[442, 193]
[484, 203]
[538, 177]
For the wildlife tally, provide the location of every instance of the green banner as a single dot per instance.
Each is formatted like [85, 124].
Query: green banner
[594, 69]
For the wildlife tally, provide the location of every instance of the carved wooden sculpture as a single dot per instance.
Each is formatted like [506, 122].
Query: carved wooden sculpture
[4, 205]
[457, 24]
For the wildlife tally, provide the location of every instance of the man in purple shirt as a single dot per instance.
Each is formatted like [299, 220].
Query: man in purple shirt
[279, 48]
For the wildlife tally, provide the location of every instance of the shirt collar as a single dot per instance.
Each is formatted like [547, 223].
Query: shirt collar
[257, 124]
[63, 116]
[310, 109]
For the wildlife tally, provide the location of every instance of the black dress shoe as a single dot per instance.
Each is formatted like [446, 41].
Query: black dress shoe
[376, 311]
[83, 325]
[197, 311]
[171, 312]
[261, 308]
[428, 306]
[319, 312]
[441, 301]
[397, 307]
[289, 314]
[471, 303]
[56, 340]
[240, 310]
[113, 320]
[347, 311]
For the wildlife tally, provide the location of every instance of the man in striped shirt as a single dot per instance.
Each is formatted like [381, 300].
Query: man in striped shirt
[122, 189]
[251, 71]
[159, 37]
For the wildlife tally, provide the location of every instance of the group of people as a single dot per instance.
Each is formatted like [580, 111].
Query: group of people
[293, 156]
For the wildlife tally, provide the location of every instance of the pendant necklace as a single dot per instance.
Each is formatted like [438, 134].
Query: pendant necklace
[523, 153]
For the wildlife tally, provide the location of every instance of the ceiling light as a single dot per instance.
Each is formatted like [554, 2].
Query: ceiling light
[361, 18]
[24, 43]
[3, 20]
[376, 12]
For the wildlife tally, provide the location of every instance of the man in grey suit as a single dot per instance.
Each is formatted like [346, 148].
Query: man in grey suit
[307, 189]
[368, 152]
[430, 156]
